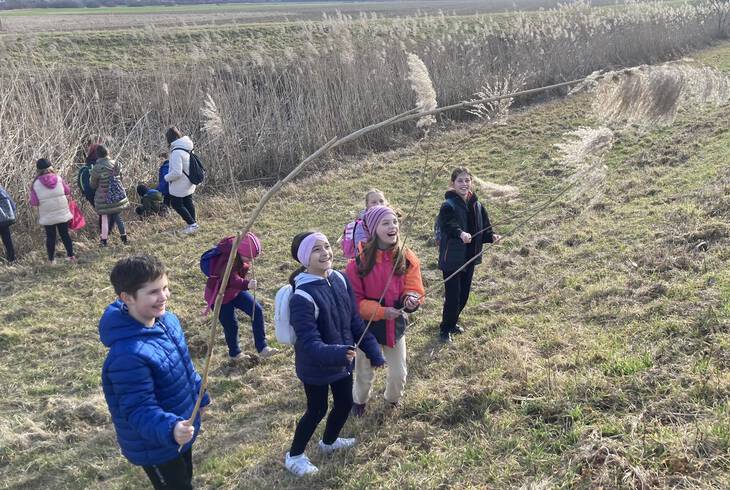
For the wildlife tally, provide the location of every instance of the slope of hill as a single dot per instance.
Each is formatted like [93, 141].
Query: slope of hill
[596, 350]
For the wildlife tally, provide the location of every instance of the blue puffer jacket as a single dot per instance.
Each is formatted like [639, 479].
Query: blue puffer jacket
[162, 185]
[322, 344]
[150, 384]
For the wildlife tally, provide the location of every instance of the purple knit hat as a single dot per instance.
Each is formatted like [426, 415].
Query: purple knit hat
[250, 246]
[373, 216]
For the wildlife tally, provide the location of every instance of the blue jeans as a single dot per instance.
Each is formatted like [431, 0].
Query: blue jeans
[243, 301]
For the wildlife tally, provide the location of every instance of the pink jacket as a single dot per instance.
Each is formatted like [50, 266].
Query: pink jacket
[236, 281]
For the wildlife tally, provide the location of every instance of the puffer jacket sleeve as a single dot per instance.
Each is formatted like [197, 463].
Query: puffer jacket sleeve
[368, 308]
[449, 223]
[308, 338]
[132, 382]
[412, 281]
[176, 166]
[94, 177]
[369, 344]
[488, 235]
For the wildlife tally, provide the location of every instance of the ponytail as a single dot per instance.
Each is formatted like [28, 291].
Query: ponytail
[294, 275]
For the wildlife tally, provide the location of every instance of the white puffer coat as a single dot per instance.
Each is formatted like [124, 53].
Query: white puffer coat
[180, 185]
[50, 192]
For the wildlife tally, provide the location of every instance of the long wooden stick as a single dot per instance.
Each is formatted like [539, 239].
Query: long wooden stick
[332, 143]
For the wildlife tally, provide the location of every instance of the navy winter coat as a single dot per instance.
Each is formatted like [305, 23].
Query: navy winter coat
[322, 343]
[162, 185]
[456, 216]
[8, 211]
[149, 382]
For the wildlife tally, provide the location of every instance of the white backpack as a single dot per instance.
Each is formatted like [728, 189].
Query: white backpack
[282, 324]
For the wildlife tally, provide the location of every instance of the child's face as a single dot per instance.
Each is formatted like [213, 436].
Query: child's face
[375, 199]
[387, 230]
[462, 184]
[320, 261]
[245, 260]
[150, 302]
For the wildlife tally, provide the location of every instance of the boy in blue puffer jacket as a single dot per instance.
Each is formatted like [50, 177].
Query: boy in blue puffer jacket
[149, 381]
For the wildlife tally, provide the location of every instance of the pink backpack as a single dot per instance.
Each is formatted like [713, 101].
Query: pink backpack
[348, 239]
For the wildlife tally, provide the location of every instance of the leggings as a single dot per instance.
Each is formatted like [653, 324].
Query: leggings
[51, 239]
[455, 297]
[316, 410]
[184, 207]
[8, 242]
[107, 225]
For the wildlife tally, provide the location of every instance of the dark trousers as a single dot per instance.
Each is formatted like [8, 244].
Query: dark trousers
[112, 219]
[316, 410]
[8, 243]
[184, 207]
[456, 295]
[167, 200]
[176, 474]
[243, 301]
[51, 239]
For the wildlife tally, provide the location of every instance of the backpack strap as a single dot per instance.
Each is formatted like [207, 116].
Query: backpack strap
[188, 152]
[309, 298]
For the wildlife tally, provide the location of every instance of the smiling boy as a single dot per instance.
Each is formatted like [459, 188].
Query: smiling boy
[149, 381]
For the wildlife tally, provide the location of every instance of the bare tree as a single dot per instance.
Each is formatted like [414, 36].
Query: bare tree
[721, 8]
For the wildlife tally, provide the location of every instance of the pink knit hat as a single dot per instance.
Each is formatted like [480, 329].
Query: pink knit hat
[373, 216]
[250, 246]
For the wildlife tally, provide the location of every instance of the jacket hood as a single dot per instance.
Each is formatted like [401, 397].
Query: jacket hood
[49, 180]
[305, 278]
[185, 143]
[117, 324]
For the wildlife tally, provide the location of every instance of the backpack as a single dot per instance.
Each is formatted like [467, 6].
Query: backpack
[206, 260]
[437, 224]
[115, 192]
[282, 324]
[348, 239]
[83, 179]
[196, 169]
[7, 209]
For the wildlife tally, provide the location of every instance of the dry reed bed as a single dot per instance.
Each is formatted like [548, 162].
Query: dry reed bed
[257, 116]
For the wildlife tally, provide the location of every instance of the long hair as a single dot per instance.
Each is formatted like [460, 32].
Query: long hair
[296, 241]
[172, 134]
[369, 254]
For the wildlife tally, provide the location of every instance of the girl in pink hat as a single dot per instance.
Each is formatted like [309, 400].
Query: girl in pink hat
[237, 295]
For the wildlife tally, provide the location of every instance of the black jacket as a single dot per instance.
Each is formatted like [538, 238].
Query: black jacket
[456, 216]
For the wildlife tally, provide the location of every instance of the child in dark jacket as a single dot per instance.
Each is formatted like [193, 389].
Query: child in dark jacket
[149, 381]
[465, 228]
[236, 295]
[8, 214]
[324, 347]
[162, 185]
[384, 262]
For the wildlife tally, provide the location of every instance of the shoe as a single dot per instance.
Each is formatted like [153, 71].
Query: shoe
[340, 443]
[191, 228]
[300, 465]
[393, 405]
[456, 329]
[267, 352]
[358, 409]
[445, 337]
[73, 259]
[124, 238]
[104, 242]
[237, 357]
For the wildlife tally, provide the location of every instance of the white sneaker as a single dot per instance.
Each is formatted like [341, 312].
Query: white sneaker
[300, 465]
[267, 352]
[340, 443]
[191, 228]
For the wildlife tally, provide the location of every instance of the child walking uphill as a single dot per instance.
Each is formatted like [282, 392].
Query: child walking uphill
[465, 228]
[355, 232]
[50, 194]
[369, 274]
[236, 295]
[149, 381]
[110, 198]
[324, 347]
[181, 189]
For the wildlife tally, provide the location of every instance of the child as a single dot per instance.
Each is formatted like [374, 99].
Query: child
[324, 349]
[355, 232]
[149, 381]
[181, 189]
[8, 212]
[465, 228]
[162, 185]
[236, 294]
[110, 198]
[382, 255]
[152, 202]
[50, 194]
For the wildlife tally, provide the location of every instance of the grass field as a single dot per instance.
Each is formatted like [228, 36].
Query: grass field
[596, 351]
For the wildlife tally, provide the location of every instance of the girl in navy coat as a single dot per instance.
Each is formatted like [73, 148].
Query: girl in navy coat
[325, 347]
[465, 228]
